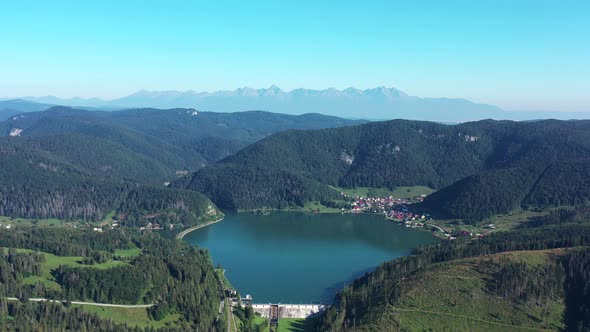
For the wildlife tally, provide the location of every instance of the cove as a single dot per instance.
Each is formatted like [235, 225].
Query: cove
[291, 257]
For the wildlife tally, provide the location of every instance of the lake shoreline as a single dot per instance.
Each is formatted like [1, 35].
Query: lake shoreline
[194, 228]
[268, 211]
[294, 248]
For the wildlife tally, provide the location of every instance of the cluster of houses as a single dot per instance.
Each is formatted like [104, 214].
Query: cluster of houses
[376, 204]
[397, 209]
[152, 226]
[393, 208]
[409, 218]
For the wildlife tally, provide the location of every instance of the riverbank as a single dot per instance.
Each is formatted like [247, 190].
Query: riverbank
[194, 228]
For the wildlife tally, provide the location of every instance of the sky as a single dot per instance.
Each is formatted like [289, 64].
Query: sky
[520, 55]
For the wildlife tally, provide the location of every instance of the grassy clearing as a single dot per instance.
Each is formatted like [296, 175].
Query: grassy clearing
[53, 262]
[514, 219]
[29, 222]
[32, 280]
[132, 316]
[108, 218]
[399, 192]
[294, 325]
[127, 253]
[258, 321]
[502, 222]
[454, 296]
[313, 207]
[532, 257]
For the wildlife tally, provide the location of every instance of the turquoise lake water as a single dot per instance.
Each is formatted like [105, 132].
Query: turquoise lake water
[288, 257]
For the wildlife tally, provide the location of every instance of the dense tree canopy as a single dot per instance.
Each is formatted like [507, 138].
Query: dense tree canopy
[482, 168]
[168, 273]
[361, 302]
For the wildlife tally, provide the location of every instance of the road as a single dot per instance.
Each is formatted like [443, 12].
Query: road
[194, 228]
[440, 229]
[88, 303]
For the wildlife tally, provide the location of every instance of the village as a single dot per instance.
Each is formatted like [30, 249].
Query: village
[398, 210]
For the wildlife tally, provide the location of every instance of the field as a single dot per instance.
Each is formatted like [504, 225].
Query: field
[37, 222]
[53, 262]
[316, 206]
[259, 321]
[502, 222]
[455, 296]
[132, 316]
[399, 192]
[127, 253]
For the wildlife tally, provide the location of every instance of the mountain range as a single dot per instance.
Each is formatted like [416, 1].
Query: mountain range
[379, 103]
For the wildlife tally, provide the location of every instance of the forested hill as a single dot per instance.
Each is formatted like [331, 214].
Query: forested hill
[536, 277]
[120, 267]
[166, 141]
[524, 159]
[85, 165]
[37, 183]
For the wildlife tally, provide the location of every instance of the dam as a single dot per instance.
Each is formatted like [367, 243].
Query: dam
[277, 311]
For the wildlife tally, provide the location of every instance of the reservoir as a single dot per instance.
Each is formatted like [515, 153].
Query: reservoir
[290, 257]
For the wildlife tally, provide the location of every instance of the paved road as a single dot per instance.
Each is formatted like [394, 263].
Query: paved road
[89, 303]
[188, 230]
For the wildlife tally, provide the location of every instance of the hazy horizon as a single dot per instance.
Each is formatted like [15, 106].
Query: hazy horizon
[529, 56]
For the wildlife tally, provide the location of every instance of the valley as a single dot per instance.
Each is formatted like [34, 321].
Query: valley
[292, 214]
[295, 166]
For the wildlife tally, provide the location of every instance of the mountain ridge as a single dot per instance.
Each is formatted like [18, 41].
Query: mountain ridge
[481, 168]
[374, 103]
[379, 103]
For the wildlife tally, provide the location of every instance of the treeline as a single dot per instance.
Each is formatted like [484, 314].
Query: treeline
[165, 206]
[239, 187]
[37, 187]
[563, 183]
[45, 316]
[481, 196]
[518, 281]
[149, 145]
[577, 288]
[360, 302]
[559, 216]
[95, 155]
[177, 277]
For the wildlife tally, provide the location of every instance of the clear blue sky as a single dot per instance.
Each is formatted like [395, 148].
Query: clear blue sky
[520, 55]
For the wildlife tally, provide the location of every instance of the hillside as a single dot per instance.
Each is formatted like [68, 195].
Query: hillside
[167, 141]
[86, 166]
[515, 280]
[13, 107]
[489, 157]
[36, 184]
[170, 285]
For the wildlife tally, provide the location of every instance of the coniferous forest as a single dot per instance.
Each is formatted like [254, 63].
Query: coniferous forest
[174, 276]
[479, 168]
[147, 168]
